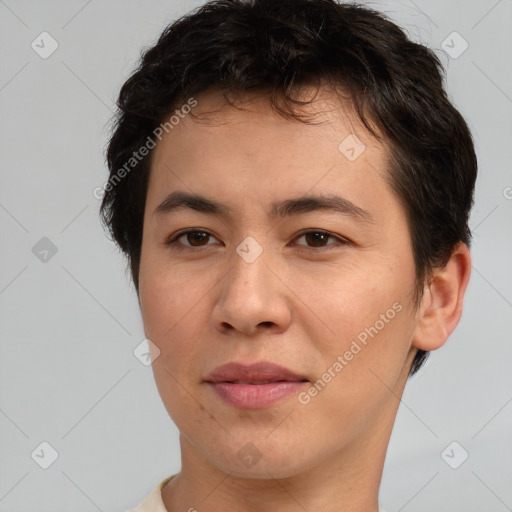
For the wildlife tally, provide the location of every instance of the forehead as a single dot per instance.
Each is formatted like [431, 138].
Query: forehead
[326, 112]
[322, 105]
[250, 149]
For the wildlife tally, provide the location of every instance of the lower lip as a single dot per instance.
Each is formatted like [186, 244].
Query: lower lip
[254, 396]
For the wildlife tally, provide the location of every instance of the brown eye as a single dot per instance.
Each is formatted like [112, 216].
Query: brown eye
[316, 238]
[319, 239]
[189, 239]
[196, 238]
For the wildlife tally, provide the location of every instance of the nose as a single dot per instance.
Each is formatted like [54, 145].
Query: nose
[253, 298]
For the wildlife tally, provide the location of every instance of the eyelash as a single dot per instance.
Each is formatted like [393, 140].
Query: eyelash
[173, 241]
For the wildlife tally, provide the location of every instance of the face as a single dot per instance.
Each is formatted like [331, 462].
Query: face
[322, 289]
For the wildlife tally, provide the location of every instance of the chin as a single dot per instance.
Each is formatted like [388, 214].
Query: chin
[261, 457]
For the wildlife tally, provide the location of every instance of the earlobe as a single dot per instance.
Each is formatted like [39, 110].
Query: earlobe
[441, 305]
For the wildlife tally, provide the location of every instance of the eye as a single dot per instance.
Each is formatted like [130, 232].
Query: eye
[318, 239]
[193, 237]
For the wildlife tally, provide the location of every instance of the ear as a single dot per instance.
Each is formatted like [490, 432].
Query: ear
[441, 305]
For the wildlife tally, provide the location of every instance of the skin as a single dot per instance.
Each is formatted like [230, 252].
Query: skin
[300, 304]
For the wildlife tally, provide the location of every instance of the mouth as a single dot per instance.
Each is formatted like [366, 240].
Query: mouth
[255, 386]
[258, 382]
[256, 374]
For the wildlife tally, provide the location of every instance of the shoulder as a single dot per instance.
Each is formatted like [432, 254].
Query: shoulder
[153, 502]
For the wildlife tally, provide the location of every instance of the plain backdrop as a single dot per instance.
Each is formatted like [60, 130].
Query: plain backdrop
[74, 396]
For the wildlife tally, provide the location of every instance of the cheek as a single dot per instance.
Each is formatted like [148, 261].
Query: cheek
[347, 298]
[359, 376]
[368, 310]
[173, 316]
[175, 310]
[167, 298]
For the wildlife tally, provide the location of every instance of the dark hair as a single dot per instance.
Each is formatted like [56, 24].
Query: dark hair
[276, 47]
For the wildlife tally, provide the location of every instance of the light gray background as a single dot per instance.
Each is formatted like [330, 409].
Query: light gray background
[69, 326]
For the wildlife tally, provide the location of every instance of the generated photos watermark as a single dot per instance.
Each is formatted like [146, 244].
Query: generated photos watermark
[343, 360]
[143, 151]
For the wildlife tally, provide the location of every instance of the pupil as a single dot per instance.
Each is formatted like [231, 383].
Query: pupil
[196, 236]
[317, 237]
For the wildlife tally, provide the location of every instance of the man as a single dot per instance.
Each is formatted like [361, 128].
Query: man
[292, 188]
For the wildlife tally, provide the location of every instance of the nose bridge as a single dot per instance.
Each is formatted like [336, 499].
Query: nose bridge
[251, 296]
[250, 277]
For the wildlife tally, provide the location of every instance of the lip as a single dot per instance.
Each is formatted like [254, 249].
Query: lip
[254, 386]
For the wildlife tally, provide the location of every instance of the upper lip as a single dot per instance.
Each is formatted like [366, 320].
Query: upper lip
[253, 373]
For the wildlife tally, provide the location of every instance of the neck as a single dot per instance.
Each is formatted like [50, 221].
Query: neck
[347, 480]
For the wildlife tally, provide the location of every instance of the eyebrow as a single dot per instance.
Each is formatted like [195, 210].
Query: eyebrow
[181, 200]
